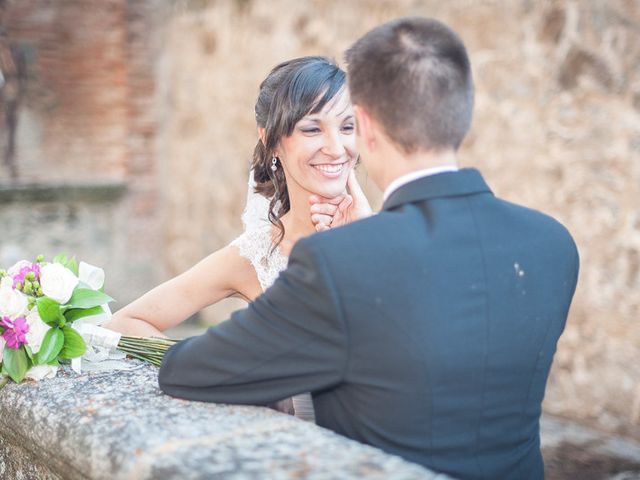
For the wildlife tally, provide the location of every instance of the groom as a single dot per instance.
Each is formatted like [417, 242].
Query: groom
[427, 330]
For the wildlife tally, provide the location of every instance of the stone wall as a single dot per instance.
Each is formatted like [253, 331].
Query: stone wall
[119, 426]
[87, 116]
[556, 127]
[76, 89]
[65, 218]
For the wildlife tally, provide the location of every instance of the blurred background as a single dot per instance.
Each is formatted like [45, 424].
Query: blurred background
[127, 127]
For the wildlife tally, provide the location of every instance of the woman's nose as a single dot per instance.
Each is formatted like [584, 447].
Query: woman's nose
[333, 145]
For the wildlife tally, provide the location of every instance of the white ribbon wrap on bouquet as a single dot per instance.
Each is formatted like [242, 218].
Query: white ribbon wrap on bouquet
[98, 336]
[101, 354]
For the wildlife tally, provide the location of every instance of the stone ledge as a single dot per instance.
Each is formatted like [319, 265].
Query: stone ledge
[118, 425]
[48, 192]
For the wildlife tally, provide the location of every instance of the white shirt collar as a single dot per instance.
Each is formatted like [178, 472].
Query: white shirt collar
[410, 177]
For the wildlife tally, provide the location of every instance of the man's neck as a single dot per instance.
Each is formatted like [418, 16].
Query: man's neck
[400, 164]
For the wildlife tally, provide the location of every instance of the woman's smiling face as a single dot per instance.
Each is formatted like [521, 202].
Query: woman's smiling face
[321, 151]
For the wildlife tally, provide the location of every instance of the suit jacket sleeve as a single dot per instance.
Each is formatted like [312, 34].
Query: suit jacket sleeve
[291, 340]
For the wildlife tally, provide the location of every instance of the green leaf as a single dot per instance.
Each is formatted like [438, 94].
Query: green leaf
[60, 258]
[16, 363]
[52, 344]
[74, 345]
[76, 313]
[72, 265]
[87, 298]
[29, 352]
[49, 311]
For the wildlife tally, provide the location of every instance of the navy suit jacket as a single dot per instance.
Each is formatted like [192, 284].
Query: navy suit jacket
[427, 330]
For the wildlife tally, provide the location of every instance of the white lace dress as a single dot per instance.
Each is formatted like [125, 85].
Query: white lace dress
[255, 245]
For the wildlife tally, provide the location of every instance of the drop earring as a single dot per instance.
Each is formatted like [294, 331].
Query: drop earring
[274, 162]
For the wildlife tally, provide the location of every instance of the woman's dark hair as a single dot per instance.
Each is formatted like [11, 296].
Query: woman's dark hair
[292, 90]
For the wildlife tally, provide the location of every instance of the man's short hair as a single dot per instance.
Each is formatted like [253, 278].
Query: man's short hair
[413, 76]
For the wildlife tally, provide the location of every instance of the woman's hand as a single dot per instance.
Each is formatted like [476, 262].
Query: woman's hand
[125, 325]
[327, 213]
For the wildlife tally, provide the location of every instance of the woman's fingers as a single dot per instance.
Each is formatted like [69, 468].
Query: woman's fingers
[321, 227]
[333, 212]
[353, 186]
[317, 218]
[344, 205]
[324, 208]
[361, 207]
[317, 199]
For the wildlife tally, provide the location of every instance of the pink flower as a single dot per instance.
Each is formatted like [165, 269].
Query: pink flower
[19, 276]
[15, 333]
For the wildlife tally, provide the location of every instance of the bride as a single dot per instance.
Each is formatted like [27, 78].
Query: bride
[301, 166]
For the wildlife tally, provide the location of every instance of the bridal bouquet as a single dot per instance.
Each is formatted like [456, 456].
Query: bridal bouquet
[39, 303]
[51, 312]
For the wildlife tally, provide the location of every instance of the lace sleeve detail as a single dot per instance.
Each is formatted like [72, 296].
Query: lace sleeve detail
[255, 246]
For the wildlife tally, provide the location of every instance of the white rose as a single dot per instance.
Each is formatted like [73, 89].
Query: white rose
[92, 276]
[17, 267]
[41, 371]
[37, 330]
[6, 282]
[12, 303]
[57, 282]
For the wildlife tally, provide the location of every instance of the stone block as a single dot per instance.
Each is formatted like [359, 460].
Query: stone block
[120, 426]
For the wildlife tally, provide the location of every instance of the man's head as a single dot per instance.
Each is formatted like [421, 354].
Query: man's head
[412, 78]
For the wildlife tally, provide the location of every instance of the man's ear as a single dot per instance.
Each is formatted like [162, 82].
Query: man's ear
[364, 126]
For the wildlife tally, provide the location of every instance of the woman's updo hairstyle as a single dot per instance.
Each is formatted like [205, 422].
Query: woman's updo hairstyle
[292, 90]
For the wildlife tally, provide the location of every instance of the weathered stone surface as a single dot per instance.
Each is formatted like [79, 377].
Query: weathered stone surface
[574, 451]
[118, 425]
[104, 192]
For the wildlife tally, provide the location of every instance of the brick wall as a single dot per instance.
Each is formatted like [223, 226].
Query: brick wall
[72, 123]
[88, 115]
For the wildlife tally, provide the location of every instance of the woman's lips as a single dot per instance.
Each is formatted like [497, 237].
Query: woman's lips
[331, 170]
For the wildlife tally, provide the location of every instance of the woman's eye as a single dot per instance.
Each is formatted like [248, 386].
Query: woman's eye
[348, 127]
[310, 130]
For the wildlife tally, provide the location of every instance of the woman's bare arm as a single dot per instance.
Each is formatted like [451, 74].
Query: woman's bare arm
[220, 275]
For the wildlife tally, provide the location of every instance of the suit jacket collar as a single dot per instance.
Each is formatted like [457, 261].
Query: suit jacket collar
[449, 184]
